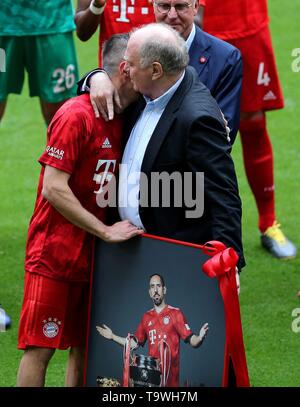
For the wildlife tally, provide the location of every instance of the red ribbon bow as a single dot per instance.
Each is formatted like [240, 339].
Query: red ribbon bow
[223, 259]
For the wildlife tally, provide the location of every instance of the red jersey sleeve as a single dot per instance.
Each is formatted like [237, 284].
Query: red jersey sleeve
[65, 138]
[202, 3]
[141, 333]
[182, 326]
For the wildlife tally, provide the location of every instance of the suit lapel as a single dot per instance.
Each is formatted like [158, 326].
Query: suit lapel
[165, 122]
[199, 51]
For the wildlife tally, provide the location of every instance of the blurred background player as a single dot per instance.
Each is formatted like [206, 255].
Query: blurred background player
[245, 24]
[112, 17]
[37, 37]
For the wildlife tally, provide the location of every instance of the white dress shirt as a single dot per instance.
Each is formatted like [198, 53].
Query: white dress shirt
[130, 171]
[190, 38]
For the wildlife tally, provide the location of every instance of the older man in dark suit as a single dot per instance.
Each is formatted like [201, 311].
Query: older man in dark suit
[179, 129]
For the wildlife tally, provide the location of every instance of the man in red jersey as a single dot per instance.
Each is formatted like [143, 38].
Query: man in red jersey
[113, 17]
[81, 156]
[244, 23]
[162, 325]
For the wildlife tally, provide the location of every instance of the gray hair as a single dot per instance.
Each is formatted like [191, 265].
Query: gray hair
[113, 52]
[172, 55]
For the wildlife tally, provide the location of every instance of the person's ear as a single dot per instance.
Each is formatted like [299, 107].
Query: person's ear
[157, 71]
[124, 70]
[165, 290]
[196, 7]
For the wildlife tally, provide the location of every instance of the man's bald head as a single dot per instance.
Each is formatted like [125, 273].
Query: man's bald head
[160, 43]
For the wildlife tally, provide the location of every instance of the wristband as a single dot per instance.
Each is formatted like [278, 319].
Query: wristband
[96, 10]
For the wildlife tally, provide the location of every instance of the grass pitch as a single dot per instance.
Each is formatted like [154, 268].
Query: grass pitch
[268, 286]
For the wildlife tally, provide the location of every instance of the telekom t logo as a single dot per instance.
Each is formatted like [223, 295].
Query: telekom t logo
[152, 336]
[106, 168]
[124, 7]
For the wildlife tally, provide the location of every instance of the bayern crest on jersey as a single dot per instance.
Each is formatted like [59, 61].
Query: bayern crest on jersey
[166, 320]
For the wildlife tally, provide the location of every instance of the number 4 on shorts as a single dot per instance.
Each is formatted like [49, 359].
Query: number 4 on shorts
[263, 78]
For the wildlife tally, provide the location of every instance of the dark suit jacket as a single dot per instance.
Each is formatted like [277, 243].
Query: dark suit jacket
[191, 137]
[219, 66]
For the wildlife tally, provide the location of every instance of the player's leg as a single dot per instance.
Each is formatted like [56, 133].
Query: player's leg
[53, 70]
[261, 92]
[258, 162]
[12, 68]
[44, 325]
[33, 367]
[75, 367]
[76, 331]
[260, 82]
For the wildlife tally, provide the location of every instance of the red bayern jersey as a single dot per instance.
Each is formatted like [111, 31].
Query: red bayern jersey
[121, 16]
[169, 325]
[89, 150]
[231, 19]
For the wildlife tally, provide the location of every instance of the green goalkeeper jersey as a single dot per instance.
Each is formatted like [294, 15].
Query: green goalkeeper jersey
[36, 17]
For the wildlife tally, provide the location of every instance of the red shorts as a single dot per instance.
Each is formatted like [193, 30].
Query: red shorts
[261, 87]
[54, 313]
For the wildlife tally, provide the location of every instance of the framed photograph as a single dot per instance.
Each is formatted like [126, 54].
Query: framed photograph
[157, 319]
